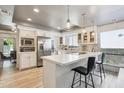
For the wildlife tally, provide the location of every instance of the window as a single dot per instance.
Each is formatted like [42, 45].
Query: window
[112, 39]
[8, 46]
[71, 40]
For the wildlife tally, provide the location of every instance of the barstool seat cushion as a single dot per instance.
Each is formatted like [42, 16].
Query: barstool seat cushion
[81, 70]
[98, 62]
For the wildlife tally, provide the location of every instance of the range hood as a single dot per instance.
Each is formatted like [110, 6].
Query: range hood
[73, 27]
[6, 17]
[44, 37]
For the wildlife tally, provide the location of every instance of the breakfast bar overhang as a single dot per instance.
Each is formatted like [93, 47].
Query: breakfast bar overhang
[57, 68]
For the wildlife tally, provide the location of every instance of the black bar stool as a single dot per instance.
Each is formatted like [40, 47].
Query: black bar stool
[84, 71]
[100, 65]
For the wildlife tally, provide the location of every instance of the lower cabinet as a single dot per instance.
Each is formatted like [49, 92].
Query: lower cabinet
[27, 60]
[33, 61]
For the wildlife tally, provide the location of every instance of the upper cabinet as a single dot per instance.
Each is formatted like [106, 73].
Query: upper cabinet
[61, 40]
[90, 36]
[78, 37]
[85, 38]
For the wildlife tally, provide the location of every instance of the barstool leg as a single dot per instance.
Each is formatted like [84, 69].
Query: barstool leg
[94, 69]
[100, 72]
[103, 70]
[85, 81]
[88, 78]
[92, 80]
[80, 80]
[73, 80]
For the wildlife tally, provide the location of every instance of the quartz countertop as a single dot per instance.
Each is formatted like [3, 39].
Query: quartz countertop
[66, 59]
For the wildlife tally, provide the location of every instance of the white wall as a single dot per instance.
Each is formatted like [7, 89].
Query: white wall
[52, 34]
[79, 30]
[109, 27]
[40, 32]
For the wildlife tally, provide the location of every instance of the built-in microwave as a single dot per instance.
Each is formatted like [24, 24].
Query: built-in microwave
[27, 41]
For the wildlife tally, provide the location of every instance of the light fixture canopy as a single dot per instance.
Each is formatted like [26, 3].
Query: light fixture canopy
[36, 10]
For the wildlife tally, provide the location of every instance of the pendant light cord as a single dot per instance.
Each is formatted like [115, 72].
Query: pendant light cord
[68, 12]
[83, 19]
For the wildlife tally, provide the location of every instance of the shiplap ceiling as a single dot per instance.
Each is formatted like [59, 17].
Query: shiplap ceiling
[56, 15]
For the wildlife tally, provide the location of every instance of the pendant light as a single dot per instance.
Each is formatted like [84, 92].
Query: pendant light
[93, 22]
[84, 30]
[68, 20]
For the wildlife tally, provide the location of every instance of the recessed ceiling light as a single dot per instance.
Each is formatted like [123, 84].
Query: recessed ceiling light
[29, 19]
[36, 10]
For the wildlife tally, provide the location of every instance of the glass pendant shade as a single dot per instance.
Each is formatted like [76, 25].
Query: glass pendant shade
[68, 24]
[84, 30]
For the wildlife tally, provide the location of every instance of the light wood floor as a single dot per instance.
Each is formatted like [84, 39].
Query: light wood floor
[11, 78]
[108, 82]
[33, 78]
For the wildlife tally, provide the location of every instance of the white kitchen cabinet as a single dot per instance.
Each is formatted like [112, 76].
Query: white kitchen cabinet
[25, 33]
[27, 60]
[24, 61]
[33, 61]
[90, 36]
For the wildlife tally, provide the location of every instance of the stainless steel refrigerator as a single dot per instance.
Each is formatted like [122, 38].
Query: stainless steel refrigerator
[43, 49]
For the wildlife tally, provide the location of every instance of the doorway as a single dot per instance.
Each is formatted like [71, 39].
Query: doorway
[7, 53]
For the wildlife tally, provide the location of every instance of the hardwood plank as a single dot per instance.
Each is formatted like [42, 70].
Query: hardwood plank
[22, 79]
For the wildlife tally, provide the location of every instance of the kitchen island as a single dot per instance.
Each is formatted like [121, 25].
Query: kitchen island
[57, 68]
